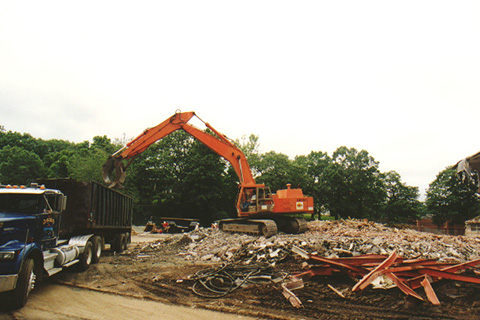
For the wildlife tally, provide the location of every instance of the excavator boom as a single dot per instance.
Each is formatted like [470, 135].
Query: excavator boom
[219, 144]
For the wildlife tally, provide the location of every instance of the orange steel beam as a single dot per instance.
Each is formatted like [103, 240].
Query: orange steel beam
[403, 287]
[462, 266]
[432, 297]
[448, 275]
[416, 282]
[357, 270]
[365, 260]
[366, 280]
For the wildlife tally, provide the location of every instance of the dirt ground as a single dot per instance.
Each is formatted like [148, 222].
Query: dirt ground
[155, 268]
[81, 304]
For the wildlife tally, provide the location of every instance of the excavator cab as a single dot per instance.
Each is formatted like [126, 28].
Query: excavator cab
[255, 199]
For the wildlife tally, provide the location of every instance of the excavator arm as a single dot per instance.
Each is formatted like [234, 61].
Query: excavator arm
[217, 142]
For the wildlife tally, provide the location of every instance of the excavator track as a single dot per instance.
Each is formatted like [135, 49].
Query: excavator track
[263, 227]
[291, 225]
[302, 225]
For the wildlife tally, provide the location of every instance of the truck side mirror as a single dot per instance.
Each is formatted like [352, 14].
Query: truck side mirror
[62, 203]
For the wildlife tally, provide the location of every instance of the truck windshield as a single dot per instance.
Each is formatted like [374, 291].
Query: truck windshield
[22, 203]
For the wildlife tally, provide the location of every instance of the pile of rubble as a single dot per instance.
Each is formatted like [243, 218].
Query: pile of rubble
[385, 272]
[406, 258]
[333, 239]
[363, 237]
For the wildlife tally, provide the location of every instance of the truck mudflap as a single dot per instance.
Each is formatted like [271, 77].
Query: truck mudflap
[8, 282]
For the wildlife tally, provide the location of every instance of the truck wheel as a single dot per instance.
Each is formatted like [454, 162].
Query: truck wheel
[86, 257]
[125, 242]
[119, 243]
[25, 284]
[97, 248]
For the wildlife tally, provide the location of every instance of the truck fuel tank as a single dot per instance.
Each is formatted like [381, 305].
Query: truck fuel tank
[65, 254]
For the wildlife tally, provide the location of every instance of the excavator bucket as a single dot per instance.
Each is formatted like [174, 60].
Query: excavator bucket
[113, 172]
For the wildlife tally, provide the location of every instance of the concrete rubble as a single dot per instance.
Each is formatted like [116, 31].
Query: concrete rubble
[324, 239]
[333, 239]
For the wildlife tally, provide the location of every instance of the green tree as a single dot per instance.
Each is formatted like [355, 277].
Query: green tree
[158, 174]
[38, 146]
[402, 204]
[251, 149]
[355, 188]
[449, 199]
[313, 168]
[209, 189]
[105, 144]
[20, 166]
[60, 164]
[85, 167]
[86, 160]
[180, 177]
[276, 170]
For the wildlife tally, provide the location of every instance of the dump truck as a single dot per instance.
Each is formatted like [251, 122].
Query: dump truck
[43, 233]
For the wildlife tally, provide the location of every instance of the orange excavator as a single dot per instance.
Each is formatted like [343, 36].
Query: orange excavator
[259, 210]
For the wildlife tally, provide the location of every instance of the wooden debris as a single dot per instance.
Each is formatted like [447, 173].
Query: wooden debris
[336, 291]
[432, 297]
[366, 280]
[407, 275]
[288, 287]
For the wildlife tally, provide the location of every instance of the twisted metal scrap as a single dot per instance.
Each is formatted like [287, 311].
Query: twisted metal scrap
[247, 267]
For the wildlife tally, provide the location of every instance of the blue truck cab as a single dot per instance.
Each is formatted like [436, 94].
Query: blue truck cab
[31, 243]
[30, 248]
[42, 234]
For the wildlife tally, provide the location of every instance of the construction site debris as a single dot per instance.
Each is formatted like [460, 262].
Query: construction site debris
[372, 254]
[330, 239]
[405, 274]
[288, 287]
[250, 264]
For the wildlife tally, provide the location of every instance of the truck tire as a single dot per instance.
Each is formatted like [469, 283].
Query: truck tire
[119, 243]
[125, 242]
[86, 257]
[25, 284]
[97, 248]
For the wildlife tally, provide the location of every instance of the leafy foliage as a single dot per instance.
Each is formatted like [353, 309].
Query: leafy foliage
[19, 166]
[402, 204]
[315, 179]
[450, 199]
[180, 177]
[24, 158]
[354, 187]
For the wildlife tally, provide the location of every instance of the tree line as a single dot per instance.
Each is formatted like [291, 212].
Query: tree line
[180, 177]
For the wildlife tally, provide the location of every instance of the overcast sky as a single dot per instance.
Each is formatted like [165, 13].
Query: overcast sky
[399, 79]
